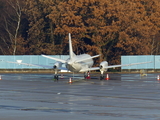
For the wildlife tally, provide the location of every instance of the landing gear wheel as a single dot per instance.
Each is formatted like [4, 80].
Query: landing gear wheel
[56, 77]
[101, 77]
[85, 75]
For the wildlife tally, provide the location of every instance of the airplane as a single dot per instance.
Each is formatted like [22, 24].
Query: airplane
[84, 62]
[77, 63]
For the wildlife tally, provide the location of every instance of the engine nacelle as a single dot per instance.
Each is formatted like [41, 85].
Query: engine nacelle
[57, 65]
[103, 66]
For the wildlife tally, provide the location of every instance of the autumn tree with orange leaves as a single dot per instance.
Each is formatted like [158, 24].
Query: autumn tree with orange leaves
[91, 30]
[108, 27]
[139, 24]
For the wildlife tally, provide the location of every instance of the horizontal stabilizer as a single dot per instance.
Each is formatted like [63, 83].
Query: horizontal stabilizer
[56, 59]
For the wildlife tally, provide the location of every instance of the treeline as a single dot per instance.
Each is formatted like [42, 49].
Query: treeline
[108, 27]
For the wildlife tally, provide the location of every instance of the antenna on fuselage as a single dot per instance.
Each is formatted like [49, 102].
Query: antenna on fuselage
[71, 53]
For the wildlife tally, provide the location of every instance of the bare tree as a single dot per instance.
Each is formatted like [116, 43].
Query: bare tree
[12, 25]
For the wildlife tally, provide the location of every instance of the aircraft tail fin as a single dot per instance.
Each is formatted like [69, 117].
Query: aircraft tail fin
[71, 53]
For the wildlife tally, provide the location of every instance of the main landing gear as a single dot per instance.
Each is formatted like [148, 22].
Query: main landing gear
[102, 77]
[87, 75]
[56, 78]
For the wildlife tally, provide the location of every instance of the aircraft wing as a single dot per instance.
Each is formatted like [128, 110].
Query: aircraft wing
[114, 66]
[94, 68]
[37, 65]
[28, 64]
[56, 59]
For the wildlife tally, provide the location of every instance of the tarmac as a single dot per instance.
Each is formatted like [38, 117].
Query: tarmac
[39, 97]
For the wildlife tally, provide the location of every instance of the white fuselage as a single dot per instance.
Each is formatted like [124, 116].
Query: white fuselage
[79, 66]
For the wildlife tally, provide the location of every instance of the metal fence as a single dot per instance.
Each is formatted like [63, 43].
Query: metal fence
[38, 59]
[31, 59]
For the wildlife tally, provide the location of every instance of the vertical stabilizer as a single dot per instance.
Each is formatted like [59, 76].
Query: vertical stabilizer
[71, 54]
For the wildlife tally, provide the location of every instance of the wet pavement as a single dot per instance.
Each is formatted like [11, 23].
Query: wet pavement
[38, 97]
